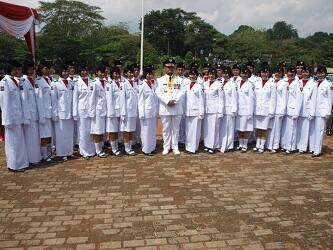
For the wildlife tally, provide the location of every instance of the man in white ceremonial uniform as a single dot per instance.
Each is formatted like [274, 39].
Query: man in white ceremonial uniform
[13, 117]
[294, 105]
[244, 119]
[214, 106]
[227, 125]
[309, 91]
[323, 111]
[82, 98]
[31, 130]
[97, 110]
[113, 93]
[274, 134]
[137, 81]
[148, 111]
[46, 108]
[264, 107]
[63, 122]
[180, 68]
[194, 111]
[171, 96]
[129, 110]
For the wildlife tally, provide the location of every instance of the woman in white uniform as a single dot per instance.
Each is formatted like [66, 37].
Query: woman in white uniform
[13, 117]
[323, 111]
[264, 107]
[274, 134]
[244, 119]
[113, 92]
[148, 111]
[309, 91]
[82, 97]
[294, 105]
[227, 125]
[31, 131]
[64, 122]
[213, 112]
[129, 110]
[194, 111]
[46, 108]
[97, 109]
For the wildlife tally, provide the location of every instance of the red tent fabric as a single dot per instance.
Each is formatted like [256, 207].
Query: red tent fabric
[19, 21]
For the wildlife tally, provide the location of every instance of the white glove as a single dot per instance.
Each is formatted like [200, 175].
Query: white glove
[280, 115]
[310, 117]
[55, 118]
[294, 117]
[75, 118]
[219, 115]
[249, 117]
[123, 118]
[270, 115]
[142, 117]
[201, 117]
[233, 114]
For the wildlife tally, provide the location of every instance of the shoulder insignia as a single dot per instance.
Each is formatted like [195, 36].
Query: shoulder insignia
[21, 87]
[91, 88]
[2, 88]
[36, 86]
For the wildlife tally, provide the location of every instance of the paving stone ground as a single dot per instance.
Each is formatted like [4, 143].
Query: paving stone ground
[222, 201]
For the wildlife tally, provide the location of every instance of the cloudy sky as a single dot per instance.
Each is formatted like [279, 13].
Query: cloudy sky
[307, 16]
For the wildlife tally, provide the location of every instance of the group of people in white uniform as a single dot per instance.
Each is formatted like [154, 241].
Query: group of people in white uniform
[281, 109]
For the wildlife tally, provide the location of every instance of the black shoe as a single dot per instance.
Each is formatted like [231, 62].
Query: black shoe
[315, 155]
[16, 170]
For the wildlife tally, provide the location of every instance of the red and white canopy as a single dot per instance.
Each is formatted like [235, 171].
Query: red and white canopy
[19, 21]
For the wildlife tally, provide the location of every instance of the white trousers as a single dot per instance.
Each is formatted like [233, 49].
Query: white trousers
[303, 131]
[289, 133]
[170, 131]
[182, 130]
[211, 131]
[32, 141]
[192, 133]
[148, 135]
[227, 133]
[64, 130]
[317, 131]
[86, 140]
[274, 134]
[15, 149]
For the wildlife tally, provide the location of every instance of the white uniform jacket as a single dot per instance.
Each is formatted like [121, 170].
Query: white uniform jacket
[29, 96]
[98, 103]
[170, 88]
[63, 95]
[265, 97]
[194, 99]
[230, 97]
[214, 99]
[82, 98]
[148, 100]
[129, 99]
[295, 98]
[281, 97]
[323, 99]
[245, 98]
[309, 91]
[113, 93]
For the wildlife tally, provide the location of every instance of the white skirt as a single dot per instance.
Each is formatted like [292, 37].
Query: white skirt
[243, 124]
[261, 122]
[64, 134]
[15, 149]
[32, 141]
[46, 129]
[86, 141]
[211, 131]
[148, 135]
[112, 124]
[97, 125]
[193, 133]
[129, 125]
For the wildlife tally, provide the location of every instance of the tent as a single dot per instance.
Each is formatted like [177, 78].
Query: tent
[19, 21]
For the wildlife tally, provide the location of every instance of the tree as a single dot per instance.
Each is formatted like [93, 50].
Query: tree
[281, 30]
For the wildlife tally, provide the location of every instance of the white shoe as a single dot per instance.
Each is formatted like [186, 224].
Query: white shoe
[176, 152]
[165, 152]
[260, 151]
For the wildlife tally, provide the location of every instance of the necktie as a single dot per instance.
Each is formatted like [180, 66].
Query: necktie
[263, 83]
[192, 84]
[241, 83]
[31, 80]
[15, 81]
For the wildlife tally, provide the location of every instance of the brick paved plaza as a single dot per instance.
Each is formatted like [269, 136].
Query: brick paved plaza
[222, 201]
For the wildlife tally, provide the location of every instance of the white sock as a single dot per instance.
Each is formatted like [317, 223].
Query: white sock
[262, 144]
[127, 146]
[245, 143]
[44, 152]
[98, 147]
[114, 146]
[49, 149]
[258, 143]
[241, 142]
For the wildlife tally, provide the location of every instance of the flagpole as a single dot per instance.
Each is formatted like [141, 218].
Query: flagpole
[142, 28]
